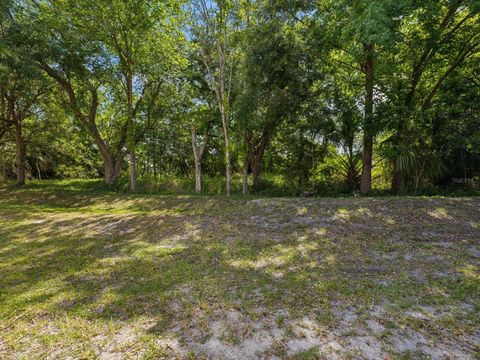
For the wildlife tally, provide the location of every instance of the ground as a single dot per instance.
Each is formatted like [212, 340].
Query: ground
[110, 276]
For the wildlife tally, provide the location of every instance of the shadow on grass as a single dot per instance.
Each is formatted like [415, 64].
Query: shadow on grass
[192, 260]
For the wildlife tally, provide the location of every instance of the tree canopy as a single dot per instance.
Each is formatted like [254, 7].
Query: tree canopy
[287, 97]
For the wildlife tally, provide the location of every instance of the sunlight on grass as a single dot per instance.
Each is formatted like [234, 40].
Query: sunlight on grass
[302, 210]
[342, 214]
[276, 256]
[439, 213]
[163, 269]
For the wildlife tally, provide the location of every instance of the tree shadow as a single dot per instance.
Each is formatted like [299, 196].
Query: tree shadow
[188, 262]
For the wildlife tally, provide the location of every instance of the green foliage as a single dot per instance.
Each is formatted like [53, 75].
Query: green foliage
[105, 78]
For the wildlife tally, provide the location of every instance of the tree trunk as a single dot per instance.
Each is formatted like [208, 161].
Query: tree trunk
[112, 168]
[109, 176]
[198, 176]
[154, 168]
[133, 171]
[228, 169]
[197, 157]
[130, 136]
[197, 160]
[154, 159]
[247, 160]
[20, 153]
[38, 171]
[198, 151]
[256, 169]
[257, 162]
[366, 181]
[246, 163]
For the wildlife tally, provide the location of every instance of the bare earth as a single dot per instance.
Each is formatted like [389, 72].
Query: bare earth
[113, 277]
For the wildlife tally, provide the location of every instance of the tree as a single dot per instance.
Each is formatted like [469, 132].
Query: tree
[21, 84]
[273, 82]
[367, 30]
[439, 36]
[198, 147]
[304, 92]
[93, 46]
[79, 67]
[213, 30]
[139, 34]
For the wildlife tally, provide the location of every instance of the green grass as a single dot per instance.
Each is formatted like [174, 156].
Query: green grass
[86, 272]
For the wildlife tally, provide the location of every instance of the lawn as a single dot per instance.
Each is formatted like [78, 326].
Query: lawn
[93, 274]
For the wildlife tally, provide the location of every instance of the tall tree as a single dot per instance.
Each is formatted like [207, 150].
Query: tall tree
[21, 84]
[105, 46]
[212, 29]
[79, 66]
[144, 37]
[367, 30]
[274, 81]
[439, 36]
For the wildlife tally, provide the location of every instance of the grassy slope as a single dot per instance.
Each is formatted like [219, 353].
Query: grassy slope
[96, 274]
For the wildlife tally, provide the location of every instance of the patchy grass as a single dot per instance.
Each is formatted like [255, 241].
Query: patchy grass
[102, 275]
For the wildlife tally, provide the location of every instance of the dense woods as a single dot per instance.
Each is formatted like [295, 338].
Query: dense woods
[286, 96]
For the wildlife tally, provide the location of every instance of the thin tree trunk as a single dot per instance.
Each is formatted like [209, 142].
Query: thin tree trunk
[366, 181]
[154, 167]
[38, 171]
[131, 146]
[198, 176]
[154, 158]
[247, 160]
[228, 170]
[133, 171]
[20, 153]
[418, 177]
[221, 83]
[198, 164]
[246, 164]
[198, 151]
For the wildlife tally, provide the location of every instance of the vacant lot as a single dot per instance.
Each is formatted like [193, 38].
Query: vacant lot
[99, 275]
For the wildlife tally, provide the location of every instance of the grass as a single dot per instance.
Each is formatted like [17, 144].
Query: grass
[86, 273]
[271, 186]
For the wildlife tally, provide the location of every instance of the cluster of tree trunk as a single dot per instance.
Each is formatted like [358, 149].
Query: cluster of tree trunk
[15, 108]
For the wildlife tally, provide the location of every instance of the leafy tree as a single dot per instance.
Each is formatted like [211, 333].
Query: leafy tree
[213, 28]
[142, 39]
[294, 95]
[274, 85]
[439, 36]
[363, 33]
[102, 47]
[21, 84]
